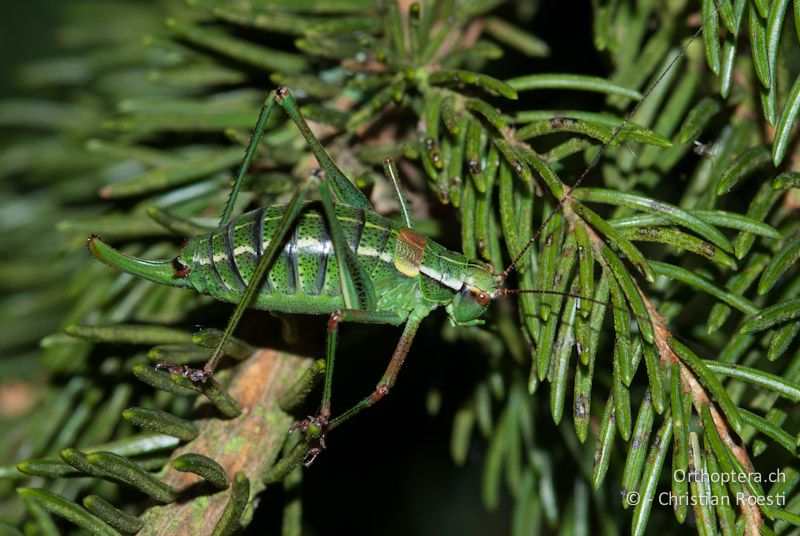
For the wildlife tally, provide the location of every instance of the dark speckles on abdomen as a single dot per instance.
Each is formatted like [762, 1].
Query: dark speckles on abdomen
[230, 253]
[290, 257]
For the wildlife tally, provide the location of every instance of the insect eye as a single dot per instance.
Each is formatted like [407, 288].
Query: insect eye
[482, 298]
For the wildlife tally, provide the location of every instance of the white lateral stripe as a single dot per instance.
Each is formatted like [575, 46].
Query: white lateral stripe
[244, 249]
[308, 244]
[452, 283]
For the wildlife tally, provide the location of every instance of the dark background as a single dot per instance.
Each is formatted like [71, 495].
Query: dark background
[26, 33]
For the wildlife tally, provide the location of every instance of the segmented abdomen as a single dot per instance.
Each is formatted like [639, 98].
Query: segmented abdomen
[305, 276]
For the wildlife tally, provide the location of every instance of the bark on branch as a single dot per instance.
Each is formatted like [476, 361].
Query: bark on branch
[249, 443]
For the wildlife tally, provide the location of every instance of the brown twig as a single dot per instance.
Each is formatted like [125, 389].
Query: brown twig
[700, 398]
[662, 334]
[689, 382]
[249, 443]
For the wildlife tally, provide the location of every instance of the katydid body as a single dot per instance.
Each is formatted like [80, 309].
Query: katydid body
[406, 270]
[334, 256]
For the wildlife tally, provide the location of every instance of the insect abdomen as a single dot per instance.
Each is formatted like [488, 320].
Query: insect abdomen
[305, 277]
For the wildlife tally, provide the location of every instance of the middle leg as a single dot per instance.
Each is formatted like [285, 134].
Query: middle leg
[321, 424]
[316, 426]
[389, 377]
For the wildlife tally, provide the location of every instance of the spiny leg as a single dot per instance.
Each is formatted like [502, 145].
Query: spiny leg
[359, 299]
[362, 314]
[244, 167]
[345, 191]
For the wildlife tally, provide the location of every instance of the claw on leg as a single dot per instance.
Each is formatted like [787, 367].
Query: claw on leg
[315, 428]
[193, 374]
[308, 461]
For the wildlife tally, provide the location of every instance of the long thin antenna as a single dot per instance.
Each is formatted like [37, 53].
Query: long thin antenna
[511, 291]
[599, 155]
[578, 297]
